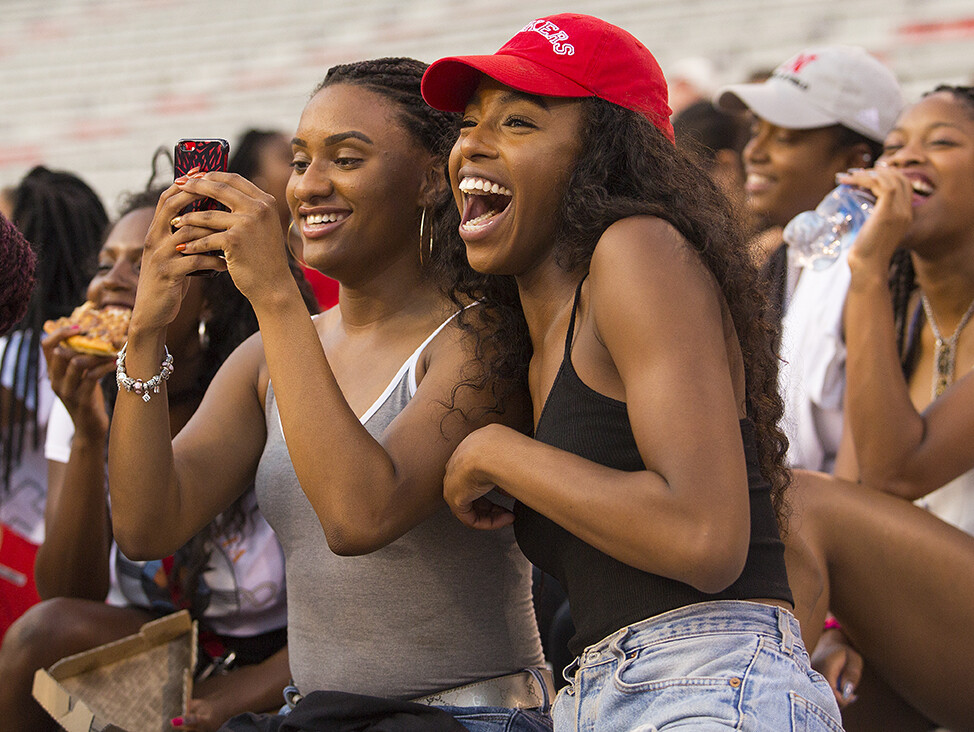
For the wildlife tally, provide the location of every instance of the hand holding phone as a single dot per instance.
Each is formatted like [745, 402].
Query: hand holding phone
[207, 155]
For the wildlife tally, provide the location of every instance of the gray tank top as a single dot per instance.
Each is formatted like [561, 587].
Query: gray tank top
[441, 606]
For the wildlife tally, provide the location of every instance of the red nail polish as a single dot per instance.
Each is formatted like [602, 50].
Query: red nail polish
[181, 179]
[177, 722]
[180, 247]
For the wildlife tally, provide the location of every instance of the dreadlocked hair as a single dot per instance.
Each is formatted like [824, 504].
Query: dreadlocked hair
[16, 276]
[64, 220]
[496, 325]
[629, 168]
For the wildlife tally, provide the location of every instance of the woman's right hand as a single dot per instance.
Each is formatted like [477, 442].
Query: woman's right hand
[892, 215]
[75, 379]
[840, 664]
[163, 280]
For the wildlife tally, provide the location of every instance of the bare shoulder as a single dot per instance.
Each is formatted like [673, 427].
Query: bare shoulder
[645, 254]
[245, 369]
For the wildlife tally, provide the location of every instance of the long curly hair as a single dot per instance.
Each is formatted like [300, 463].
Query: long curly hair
[628, 168]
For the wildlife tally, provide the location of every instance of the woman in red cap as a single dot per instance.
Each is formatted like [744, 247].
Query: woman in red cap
[654, 482]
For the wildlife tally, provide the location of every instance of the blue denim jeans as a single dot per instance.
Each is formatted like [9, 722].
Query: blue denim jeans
[505, 719]
[501, 719]
[710, 666]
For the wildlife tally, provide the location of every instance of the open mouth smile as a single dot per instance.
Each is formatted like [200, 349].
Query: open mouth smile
[483, 201]
[321, 222]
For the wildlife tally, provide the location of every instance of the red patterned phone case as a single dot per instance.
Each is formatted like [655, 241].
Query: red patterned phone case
[205, 155]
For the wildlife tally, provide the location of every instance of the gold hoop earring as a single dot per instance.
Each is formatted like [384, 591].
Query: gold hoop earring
[422, 227]
[204, 335]
[287, 243]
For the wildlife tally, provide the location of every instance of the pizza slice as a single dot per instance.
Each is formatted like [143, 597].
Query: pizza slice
[103, 330]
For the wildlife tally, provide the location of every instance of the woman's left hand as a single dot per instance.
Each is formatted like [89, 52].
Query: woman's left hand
[892, 214]
[249, 234]
[466, 484]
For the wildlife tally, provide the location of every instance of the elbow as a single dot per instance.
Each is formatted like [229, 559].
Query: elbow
[139, 546]
[718, 559]
[352, 540]
[894, 484]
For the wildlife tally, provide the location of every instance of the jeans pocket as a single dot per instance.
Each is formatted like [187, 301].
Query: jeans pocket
[706, 661]
[807, 716]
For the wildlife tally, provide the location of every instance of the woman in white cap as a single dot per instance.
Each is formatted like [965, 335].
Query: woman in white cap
[822, 112]
[649, 489]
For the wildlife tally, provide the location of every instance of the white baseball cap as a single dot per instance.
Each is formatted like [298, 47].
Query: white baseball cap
[819, 87]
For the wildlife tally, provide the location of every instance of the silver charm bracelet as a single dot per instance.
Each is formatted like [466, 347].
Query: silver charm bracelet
[145, 389]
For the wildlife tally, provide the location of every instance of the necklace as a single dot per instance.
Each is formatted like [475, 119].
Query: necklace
[946, 350]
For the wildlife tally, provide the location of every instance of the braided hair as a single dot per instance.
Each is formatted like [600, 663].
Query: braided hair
[902, 278]
[16, 275]
[64, 220]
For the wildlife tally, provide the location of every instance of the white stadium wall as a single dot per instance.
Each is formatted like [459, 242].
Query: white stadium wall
[95, 86]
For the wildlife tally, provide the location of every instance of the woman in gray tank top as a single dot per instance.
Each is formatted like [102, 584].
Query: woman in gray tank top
[389, 595]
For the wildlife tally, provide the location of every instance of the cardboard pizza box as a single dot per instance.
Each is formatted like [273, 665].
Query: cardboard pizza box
[135, 684]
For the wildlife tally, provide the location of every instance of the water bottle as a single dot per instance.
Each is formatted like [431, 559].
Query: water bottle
[816, 238]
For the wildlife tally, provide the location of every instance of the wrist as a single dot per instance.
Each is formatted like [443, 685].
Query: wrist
[869, 273]
[279, 300]
[490, 450]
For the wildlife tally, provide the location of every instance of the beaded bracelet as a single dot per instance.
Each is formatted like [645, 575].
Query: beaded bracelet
[145, 389]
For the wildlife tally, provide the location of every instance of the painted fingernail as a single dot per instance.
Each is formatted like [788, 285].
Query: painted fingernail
[197, 174]
[847, 690]
[175, 221]
[194, 169]
[180, 247]
[180, 180]
[177, 722]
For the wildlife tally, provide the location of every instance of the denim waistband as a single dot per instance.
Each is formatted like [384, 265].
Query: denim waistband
[699, 619]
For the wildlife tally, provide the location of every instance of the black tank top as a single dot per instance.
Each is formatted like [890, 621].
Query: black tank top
[604, 593]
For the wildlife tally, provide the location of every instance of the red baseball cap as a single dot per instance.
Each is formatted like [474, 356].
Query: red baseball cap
[565, 55]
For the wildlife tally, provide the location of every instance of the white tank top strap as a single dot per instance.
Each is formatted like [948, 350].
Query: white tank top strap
[414, 359]
[408, 369]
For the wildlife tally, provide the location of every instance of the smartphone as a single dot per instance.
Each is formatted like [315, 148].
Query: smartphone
[205, 154]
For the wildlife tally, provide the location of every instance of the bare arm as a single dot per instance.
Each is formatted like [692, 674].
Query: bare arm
[912, 453]
[73, 560]
[366, 493]
[164, 491]
[686, 516]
